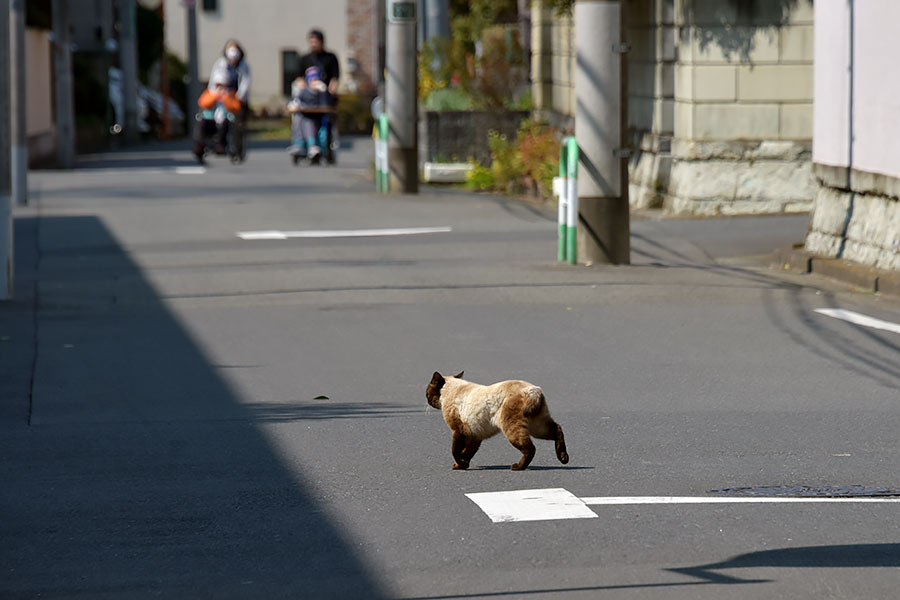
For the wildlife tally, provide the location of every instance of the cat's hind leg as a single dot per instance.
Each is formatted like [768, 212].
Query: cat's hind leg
[550, 430]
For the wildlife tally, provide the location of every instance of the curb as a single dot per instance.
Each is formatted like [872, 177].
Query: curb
[795, 259]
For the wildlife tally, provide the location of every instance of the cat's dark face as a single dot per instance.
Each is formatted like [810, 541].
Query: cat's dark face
[433, 391]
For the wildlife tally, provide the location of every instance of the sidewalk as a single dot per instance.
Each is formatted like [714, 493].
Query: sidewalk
[865, 279]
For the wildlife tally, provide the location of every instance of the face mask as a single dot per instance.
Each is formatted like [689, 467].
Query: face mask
[233, 54]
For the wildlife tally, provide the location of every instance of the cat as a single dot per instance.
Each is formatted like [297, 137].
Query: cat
[476, 412]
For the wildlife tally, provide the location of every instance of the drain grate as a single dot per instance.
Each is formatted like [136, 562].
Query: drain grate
[808, 491]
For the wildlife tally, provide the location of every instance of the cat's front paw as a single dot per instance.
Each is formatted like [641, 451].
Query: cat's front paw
[460, 467]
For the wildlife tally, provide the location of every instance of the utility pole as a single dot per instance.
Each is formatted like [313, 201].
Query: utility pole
[193, 69]
[436, 21]
[6, 229]
[19, 118]
[401, 96]
[63, 101]
[600, 128]
[128, 60]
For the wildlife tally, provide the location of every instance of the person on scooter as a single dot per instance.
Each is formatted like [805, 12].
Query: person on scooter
[230, 76]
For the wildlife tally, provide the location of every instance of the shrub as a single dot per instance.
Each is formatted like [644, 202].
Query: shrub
[506, 164]
[480, 178]
[539, 153]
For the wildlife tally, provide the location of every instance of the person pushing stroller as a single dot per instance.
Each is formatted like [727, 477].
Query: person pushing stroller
[313, 101]
[311, 106]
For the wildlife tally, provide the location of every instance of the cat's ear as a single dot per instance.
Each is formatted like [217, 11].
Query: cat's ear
[459, 375]
[437, 379]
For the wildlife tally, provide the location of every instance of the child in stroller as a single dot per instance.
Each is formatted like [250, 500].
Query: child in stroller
[312, 111]
[217, 118]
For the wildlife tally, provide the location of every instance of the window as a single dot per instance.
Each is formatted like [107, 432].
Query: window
[210, 5]
[290, 69]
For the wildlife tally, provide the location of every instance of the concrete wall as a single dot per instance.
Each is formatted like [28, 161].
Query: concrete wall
[743, 107]
[719, 101]
[857, 212]
[264, 29]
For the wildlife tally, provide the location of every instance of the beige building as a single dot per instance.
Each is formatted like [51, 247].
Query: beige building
[719, 101]
[273, 34]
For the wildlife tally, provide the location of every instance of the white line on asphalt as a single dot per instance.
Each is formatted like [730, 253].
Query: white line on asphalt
[190, 170]
[858, 319]
[559, 503]
[531, 505]
[338, 233]
[625, 500]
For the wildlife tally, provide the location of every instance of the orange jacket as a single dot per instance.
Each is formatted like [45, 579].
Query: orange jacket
[209, 98]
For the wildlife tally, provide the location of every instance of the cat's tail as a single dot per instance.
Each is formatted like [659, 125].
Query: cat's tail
[534, 401]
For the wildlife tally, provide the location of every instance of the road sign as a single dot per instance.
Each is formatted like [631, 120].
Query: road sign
[401, 10]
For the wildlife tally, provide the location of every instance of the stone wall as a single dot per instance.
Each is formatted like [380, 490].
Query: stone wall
[856, 218]
[719, 101]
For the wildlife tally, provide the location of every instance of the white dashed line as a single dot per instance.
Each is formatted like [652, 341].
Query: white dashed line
[338, 233]
[858, 319]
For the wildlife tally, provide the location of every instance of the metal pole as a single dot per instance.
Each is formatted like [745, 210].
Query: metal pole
[128, 60]
[401, 96]
[164, 78]
[437, 20]
[193, 69]
[19, 117]
[63, 100]
[6, 230]
[603, 227]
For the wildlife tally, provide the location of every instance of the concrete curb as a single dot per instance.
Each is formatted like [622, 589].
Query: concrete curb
[797, 260]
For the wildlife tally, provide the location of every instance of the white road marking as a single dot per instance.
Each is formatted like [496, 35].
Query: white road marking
[625, 500]
[190, 170]
[531, 505]
[559, 503]
[858, 319]
[338, 233]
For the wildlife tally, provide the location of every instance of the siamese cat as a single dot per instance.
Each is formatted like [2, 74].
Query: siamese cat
[476, 412]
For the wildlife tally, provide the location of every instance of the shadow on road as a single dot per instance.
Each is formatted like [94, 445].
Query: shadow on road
[850, 555]
[130, 468]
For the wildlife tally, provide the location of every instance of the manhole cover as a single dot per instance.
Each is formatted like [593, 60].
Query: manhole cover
[806, 491]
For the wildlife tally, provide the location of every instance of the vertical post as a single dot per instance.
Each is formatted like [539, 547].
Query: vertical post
[128, 61]
[401, 96]
[560, 188]
[63, 100]
[572, 200]
[382, 166]
[19, 117]
[193, 68]
[6, 230]
[600, 130]
[164, 77]
[437, 20]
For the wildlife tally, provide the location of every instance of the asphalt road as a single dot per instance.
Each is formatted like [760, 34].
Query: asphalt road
[187, 414]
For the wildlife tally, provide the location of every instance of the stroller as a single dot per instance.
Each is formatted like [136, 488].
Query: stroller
[313, 133]
[218, 127]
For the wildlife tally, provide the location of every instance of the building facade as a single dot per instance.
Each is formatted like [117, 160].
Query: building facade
[719, 101]
[273, 34]
[856, 131]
